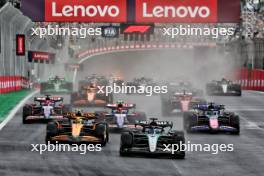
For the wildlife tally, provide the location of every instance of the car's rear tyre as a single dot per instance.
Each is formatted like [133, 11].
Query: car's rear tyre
[239, 93]
[126, 142]
[102, 133]
[52, 130]
[179, 139]
[126, 139]
[235, 122]
[189, 122]
[26, 112]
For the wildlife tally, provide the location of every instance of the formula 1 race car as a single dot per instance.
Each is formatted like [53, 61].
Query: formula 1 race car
[152, 138]
[78, 127]
[44, 109]
[180, 99]
[89, 94]
[121, 117]
[56, 85]
[211, 117]
[223, 87]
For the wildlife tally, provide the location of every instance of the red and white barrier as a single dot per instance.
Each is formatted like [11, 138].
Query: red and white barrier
[12, 83]
[250, 79]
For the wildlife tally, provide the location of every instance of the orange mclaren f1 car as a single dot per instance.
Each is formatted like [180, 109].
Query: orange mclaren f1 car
[78, 127]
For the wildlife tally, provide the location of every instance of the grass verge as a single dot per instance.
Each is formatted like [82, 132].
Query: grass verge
[9, 101]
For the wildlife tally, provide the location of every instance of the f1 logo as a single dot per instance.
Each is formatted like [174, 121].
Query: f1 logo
[137, 29]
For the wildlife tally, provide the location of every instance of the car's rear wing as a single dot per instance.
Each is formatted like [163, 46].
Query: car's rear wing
[124, 106]
[54, 99]
[149, 123]
[86, 115]
[209, 106]
[57, 78]
[183, 93]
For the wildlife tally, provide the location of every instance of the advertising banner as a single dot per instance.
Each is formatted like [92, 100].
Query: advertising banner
[133, 11]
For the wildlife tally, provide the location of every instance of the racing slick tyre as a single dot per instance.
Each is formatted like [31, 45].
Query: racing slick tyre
[234, 122]
[107, 133]
[101, 132]
[189, 121]
[239, 93]
[179, 139]
[126, 142]
[52, 130]
[237, 88]
[26, 112]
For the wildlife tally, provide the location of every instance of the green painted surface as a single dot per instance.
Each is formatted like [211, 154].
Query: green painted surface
[9, 100]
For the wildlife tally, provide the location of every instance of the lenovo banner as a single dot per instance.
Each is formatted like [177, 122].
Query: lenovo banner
[187, 11]
[41, 57]
[139, 11]
[78, 10]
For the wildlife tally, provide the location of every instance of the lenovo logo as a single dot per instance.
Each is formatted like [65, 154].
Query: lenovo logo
[85, 11]
[176, 11]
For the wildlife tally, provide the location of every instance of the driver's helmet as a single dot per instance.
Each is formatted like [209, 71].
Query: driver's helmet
[153, 123]
[151, 130]
[120, 102]
[48, 98]
[211, 106]
[92, 86]
[78, 113]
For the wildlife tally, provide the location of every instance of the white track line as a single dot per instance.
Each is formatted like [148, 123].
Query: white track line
[14, 110]
[247, 124]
